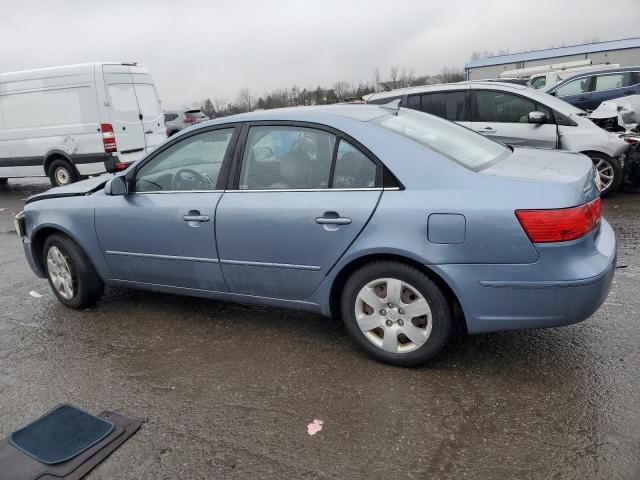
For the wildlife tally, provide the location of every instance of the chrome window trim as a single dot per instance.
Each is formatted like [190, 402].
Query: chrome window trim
[280, 190]
[177, 191]
[289, 266]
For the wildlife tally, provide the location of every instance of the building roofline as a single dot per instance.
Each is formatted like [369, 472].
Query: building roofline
[577, 49]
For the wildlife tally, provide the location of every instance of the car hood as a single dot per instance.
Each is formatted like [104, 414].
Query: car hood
[536, 164]
[83, 187]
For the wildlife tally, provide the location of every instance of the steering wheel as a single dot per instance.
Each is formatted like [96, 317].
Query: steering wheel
[189, 179]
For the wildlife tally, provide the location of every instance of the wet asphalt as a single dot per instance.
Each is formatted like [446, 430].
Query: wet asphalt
[226, 391]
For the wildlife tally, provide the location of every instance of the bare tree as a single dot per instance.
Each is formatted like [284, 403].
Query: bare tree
[376, 80]
[451, 75]
[393, 75]
[342, 89]
[246, 100]
[220, 105]
[406, 76]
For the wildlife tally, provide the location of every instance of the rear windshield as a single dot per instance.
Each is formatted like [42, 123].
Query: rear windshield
[463, 146]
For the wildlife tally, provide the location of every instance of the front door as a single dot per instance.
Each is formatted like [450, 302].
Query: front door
[577, 92]
[504, 116]
[288, 221]
[163, 232]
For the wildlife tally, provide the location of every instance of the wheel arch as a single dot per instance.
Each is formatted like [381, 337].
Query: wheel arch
[345, 272]
[56, 154]
[39, 236]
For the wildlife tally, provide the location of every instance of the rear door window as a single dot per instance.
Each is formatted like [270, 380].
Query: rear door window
[614, 80]
[286, 158]
[449, 105]
[147, 100]
[353, 168]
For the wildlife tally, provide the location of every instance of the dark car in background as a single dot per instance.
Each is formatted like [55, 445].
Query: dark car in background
[587, 90]
[176, 120]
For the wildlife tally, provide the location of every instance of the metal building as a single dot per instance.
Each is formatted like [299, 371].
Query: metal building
[625, 52]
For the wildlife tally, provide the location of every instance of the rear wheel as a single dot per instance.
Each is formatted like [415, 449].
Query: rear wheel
[608, 170]
[396, 313]
[70, 273]
[62, 173]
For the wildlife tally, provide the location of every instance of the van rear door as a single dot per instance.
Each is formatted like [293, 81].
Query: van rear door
[124, 111]
[149, 107]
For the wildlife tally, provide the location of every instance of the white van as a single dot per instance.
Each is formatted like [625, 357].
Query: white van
[77, 120]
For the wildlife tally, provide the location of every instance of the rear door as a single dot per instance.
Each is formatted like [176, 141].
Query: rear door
[123, 109]
[504, 116]
[149, 107]
[287, 219]
[613, 85]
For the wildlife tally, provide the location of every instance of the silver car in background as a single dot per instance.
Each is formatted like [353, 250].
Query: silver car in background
[176, 120]
[519, 116]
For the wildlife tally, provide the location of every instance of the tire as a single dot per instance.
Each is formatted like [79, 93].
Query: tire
[394, 320]
[606, 165]
[60, 170]
[3, 181]
[87, 287]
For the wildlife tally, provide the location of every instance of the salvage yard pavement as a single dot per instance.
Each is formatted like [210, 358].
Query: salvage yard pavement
[229, 391]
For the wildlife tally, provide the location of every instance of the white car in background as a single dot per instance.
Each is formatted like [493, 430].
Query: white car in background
[77, 120]
[519, 116]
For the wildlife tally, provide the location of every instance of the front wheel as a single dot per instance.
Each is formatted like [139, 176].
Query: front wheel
[62, 173]
[70, 273]
[609, 172]
[396, 313]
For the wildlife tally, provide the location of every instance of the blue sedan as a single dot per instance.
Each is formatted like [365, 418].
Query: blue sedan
[401, 223]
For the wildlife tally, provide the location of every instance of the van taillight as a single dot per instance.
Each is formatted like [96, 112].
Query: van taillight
[108, 138]
[561, 225]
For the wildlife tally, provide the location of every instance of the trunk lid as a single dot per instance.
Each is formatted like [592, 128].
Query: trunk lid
[540, 165]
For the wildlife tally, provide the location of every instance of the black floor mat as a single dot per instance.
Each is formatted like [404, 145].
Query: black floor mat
[61, 434]
[17, 465]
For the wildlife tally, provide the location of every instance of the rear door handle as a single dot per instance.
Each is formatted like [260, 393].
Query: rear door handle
[148, 132]
[332, 218]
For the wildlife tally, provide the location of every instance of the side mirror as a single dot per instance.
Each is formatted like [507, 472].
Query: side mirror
[117, 186]
[537, 117]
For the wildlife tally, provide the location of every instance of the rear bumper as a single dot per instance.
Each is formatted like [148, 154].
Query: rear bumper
[567, 285]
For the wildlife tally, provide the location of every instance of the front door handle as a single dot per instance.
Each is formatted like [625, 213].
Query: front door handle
[148, 132]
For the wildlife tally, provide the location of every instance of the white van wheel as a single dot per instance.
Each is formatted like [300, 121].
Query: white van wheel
[62, 173]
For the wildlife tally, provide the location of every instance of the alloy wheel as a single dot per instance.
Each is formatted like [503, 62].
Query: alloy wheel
[605, 173]
[393, 315]
[60, 273]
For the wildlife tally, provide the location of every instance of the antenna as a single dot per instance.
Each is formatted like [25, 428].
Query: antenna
[393, 105]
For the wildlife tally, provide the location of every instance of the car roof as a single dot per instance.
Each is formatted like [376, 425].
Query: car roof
[589, 73]
[317, 113]
[446, 86]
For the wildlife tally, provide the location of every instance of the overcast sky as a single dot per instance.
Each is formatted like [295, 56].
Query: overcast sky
[199, 49]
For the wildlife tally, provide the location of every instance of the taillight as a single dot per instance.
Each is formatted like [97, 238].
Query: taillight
[562, 225]
[108, 138]
[189, 119]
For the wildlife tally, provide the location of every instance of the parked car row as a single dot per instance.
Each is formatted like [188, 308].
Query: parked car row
[519, 116]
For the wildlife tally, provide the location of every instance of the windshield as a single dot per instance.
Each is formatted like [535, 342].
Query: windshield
[464, 146]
